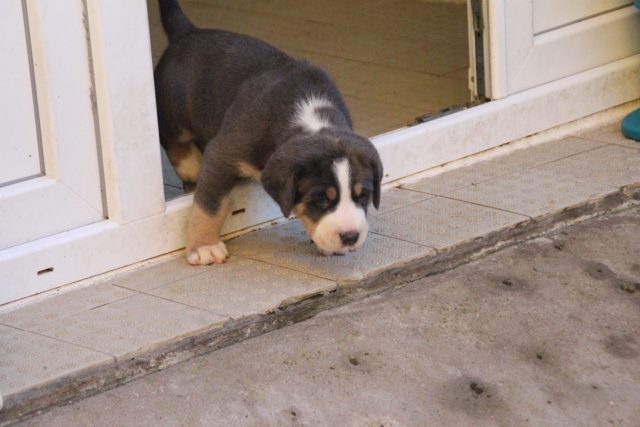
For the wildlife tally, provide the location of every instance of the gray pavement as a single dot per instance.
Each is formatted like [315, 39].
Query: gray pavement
[546, 333]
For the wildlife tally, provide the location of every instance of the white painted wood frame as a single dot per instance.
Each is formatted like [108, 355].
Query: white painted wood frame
[66, 193]
[533, 42]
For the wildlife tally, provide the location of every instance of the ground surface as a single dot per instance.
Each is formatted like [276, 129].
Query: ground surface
[546, 333]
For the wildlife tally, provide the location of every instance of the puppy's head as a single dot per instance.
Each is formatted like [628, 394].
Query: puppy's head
[328, 179]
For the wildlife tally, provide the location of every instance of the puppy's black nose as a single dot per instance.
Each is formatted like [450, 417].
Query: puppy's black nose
[349, 238]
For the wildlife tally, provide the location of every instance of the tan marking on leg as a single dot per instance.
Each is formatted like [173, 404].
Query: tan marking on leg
[185, 157]
[187, 165]
[247, 170]
[204, 246]
[186, 136]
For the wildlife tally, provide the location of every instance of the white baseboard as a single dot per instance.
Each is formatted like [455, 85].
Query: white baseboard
[81, 253]
[408, 151]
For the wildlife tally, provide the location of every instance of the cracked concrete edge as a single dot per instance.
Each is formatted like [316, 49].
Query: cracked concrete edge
[108, 375]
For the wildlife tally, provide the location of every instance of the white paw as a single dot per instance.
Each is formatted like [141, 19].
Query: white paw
[209, 254]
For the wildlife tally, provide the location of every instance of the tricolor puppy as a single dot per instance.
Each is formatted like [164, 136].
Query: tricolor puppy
[232, 107]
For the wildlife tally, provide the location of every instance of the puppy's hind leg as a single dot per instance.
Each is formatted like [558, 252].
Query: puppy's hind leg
[185, 157]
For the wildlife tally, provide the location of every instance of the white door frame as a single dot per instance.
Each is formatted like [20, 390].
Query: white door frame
[70, 185]
[524, 54]
[141, 226]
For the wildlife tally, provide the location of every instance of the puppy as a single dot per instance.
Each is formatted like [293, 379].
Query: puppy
[232, 107]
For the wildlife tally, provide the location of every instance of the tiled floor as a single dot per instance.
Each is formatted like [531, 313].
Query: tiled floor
[270, 268]
[130, 325]
[441, 222]
[530, 192]
[394, 60]
[289, 246]
[28, 359]
[244, 286]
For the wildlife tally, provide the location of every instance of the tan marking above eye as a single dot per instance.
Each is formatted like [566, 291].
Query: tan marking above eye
[357, 189]
[332, 193]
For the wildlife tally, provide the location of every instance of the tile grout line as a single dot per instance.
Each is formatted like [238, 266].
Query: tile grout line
[447, 193]
[226, 317]
[196, 273]
[433, 196]
[447, 196]
[70, 315]
[377, 233]
[628, 144]
[289, 268]
[59, 340]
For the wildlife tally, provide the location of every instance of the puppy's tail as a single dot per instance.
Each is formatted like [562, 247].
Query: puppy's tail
[174, 21]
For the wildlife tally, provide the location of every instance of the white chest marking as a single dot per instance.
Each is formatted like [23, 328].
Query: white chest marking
[307, 115]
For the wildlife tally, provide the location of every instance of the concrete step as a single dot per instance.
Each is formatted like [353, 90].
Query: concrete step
[84, 340]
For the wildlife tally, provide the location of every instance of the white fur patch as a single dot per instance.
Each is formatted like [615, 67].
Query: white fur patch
[208, 254]
[345, 218]
[307, 115]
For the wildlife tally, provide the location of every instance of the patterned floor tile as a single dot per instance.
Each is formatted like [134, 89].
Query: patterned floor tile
[289, 246]
[544, 153]
[156, 275]
[532, 192]
[65, 305]
[243, 287]
[395, 198]
[28, 359]
[129, 325]
[612, 165]
[513, 162]
[463, 177]
[441, 222]
[610, 133]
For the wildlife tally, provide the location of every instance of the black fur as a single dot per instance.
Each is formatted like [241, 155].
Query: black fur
[237, 95]
[174, 22]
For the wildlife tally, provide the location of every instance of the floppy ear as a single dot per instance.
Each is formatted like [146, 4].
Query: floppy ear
[376, 165]
[279, 179]
[368, 155]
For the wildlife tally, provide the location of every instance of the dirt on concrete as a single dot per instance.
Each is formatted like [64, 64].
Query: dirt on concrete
[546, 333]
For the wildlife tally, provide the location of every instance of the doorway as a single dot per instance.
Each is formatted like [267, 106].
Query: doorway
[395, 61]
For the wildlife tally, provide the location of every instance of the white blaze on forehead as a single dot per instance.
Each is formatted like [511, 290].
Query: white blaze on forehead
[347, 217]
[342, 170]
[307, 115]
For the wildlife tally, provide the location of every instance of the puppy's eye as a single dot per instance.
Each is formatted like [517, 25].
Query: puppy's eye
[364, 196]
[322, 203]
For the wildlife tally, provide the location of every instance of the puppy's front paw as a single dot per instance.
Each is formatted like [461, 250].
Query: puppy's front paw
[208, 254]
